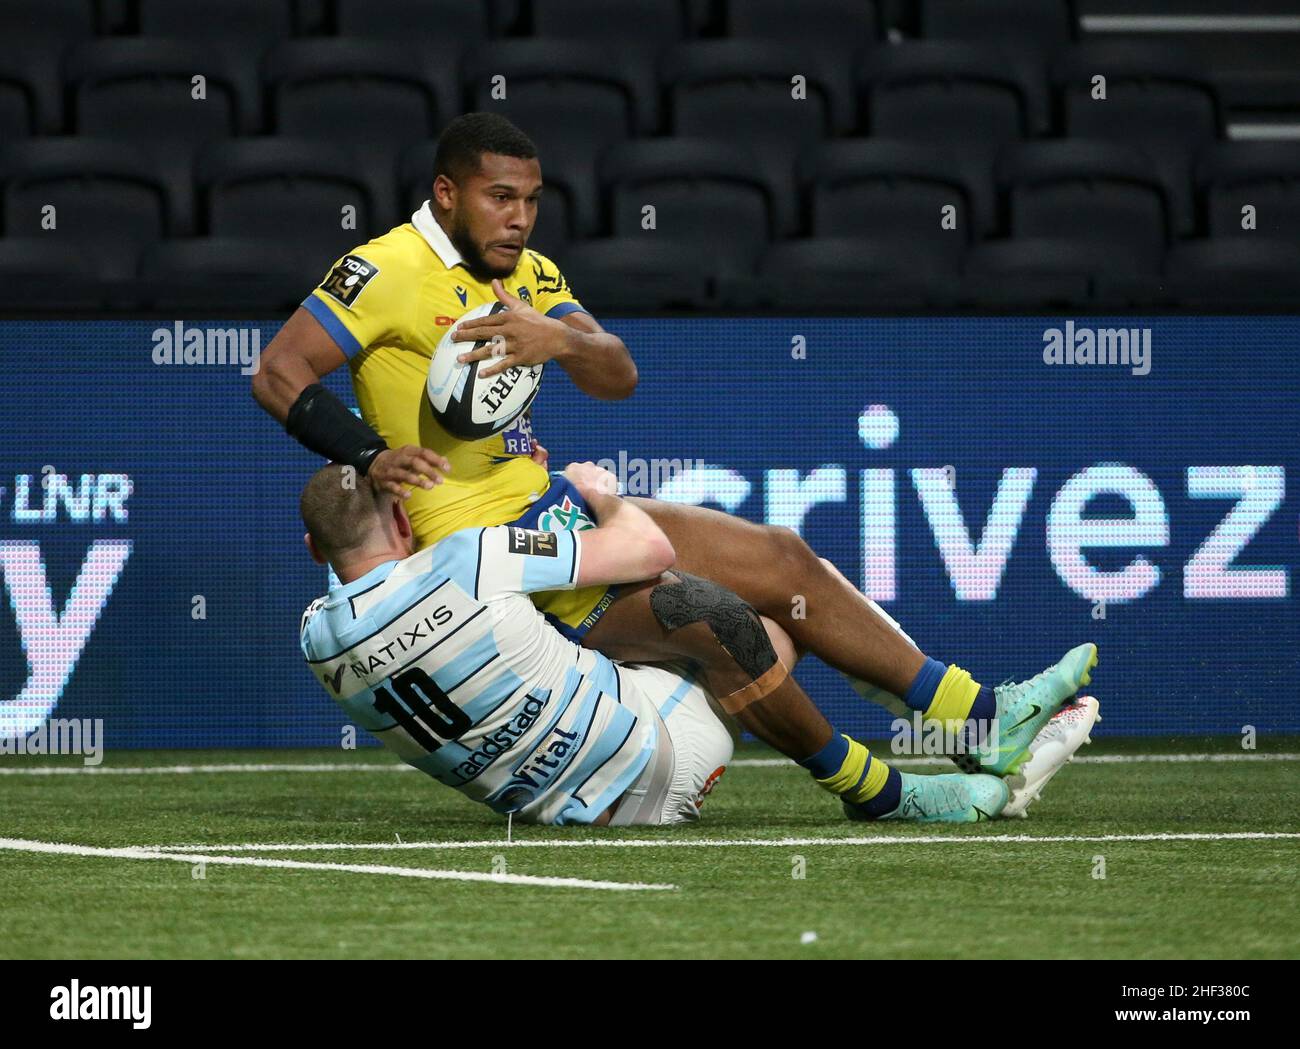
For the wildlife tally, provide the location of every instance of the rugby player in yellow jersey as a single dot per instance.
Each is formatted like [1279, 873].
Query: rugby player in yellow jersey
[382, 310]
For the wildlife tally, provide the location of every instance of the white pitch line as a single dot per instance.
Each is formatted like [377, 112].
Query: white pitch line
[739, 763]
[718, 843]
[139, 853]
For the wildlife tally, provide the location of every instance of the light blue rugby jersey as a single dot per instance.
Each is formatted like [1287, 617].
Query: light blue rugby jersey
[450, 665]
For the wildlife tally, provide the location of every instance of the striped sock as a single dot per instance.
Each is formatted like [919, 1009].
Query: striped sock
[846, 768]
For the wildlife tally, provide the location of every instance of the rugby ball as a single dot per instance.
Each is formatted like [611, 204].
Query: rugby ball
[467, 406]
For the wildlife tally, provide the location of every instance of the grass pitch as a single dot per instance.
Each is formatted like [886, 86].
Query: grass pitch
[759, 878]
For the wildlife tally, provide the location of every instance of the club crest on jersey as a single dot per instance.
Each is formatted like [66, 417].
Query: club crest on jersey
[462, 294]
[526, 295]
[348, 279]
[565, 516]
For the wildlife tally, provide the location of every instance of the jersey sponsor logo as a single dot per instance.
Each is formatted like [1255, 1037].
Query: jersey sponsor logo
[348, 279]
[529, 541]
[518, 438]
[550, 758]
[565, 516]
[409, 637]
[496, 743]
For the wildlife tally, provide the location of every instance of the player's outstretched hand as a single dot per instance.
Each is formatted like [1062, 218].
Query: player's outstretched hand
[592, 481]
[518, 336]
[398, 471]
[540, 455]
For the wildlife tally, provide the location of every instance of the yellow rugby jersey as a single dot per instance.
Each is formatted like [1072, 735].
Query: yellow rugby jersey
[387, 305]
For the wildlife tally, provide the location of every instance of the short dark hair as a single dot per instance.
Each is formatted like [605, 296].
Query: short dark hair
[338, 508]
[464, 141]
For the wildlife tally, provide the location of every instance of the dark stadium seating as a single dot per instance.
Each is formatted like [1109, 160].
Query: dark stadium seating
[1055, 272]
[685, 104]
[108, 200]
[377, 97]
[968, 96]
[1157, 97]
[375, 94]
[739, 91]
[866, 187]
[1086, 190]
[48, 274]
[286, 190]
[647, 26]
[640, 273]
[244, 26]
[1265, 175]
[245, 273]
[708, 193]
[140, 91]
[842, 273]
[426, 23]
[1233, 271]
[837, 27]
[1040, 25]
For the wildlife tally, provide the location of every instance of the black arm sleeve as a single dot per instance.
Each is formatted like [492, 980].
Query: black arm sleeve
[321, 423]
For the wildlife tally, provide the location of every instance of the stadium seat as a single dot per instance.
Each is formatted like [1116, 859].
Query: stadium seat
[971, 97]
[50, 24]
[604, 100]
[1157, 97]
[246, 27]
[705, 192]
[1059, 272]
[886, 187]
[1233, 272]
[1039, 25]
[286, 190]
[844, 27]
[140, 91]
[1086, 190]
[35, 35]
[739, 91]
[1265, 175]
[636, 274]
[38, 274]
[107, 199]
[447, 25]
[235, 274]
[378, 96]
[646, 27]
[849, 275]
[18, 102]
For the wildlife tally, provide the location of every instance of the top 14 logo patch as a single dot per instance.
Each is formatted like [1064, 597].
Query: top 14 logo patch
[348, 279]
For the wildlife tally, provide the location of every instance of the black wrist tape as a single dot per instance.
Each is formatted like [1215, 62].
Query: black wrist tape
[321, 423]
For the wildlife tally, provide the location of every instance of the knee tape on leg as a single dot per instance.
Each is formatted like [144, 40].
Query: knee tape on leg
[735, 626]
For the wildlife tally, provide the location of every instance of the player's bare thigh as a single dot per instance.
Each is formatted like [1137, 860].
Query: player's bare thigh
[764, 564]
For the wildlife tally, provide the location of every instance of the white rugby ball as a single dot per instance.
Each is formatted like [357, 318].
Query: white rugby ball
[467, 406]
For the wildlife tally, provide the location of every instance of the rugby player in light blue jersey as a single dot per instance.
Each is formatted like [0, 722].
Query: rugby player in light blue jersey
[442, 656]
